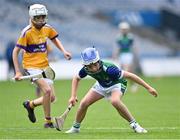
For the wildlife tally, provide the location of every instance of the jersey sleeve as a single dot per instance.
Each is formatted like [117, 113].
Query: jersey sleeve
[82, 73]
[114, 72]
[22, 41]
[52, 33]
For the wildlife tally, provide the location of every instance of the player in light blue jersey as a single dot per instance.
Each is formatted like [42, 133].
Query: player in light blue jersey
[111, 84]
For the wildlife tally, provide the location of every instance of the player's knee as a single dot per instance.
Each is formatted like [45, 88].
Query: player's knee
[84, 105]
[48, 92]
[53, 98]
[115, 102]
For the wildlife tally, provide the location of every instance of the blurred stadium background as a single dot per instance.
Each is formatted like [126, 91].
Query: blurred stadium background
[84, 23]
[155, 25]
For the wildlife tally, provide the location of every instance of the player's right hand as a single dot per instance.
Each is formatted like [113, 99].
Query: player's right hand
[67, 55]
[18, 75]
[73, 100]
[153, 92]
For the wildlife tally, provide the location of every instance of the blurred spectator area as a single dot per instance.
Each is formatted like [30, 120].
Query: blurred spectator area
[80, 23]
[85, 23]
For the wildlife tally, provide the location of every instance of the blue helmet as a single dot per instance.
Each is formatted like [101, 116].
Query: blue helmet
[89, 56]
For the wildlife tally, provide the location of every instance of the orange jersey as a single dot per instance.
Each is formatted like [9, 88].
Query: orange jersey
[34, 42]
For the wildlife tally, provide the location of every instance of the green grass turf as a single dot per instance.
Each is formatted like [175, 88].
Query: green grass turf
[161, 116]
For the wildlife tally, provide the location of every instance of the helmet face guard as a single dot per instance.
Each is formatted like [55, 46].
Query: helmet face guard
[39, 20]
[124, 27]
[90, 56]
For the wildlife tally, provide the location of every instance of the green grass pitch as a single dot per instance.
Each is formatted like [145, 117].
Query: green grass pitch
[160, 116]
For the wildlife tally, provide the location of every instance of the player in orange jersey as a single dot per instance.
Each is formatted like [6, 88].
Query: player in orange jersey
[33, 40]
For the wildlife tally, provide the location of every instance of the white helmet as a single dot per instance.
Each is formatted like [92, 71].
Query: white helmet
[124, 25]
[90, 56]
[37, 10]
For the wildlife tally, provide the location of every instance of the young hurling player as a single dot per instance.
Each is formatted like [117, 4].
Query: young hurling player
[111, 84]
[124, 50]
[33, 41]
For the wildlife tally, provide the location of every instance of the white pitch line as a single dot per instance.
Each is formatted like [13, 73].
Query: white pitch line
[119, 128]
[97, 128]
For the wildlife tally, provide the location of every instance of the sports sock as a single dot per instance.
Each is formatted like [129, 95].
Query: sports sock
[76, 125]
[32, 105]
[48, 120]
[133, 121]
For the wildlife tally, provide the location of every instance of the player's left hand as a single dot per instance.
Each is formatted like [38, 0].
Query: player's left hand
[153, 92]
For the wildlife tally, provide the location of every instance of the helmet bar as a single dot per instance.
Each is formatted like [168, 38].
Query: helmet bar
[39, 11]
